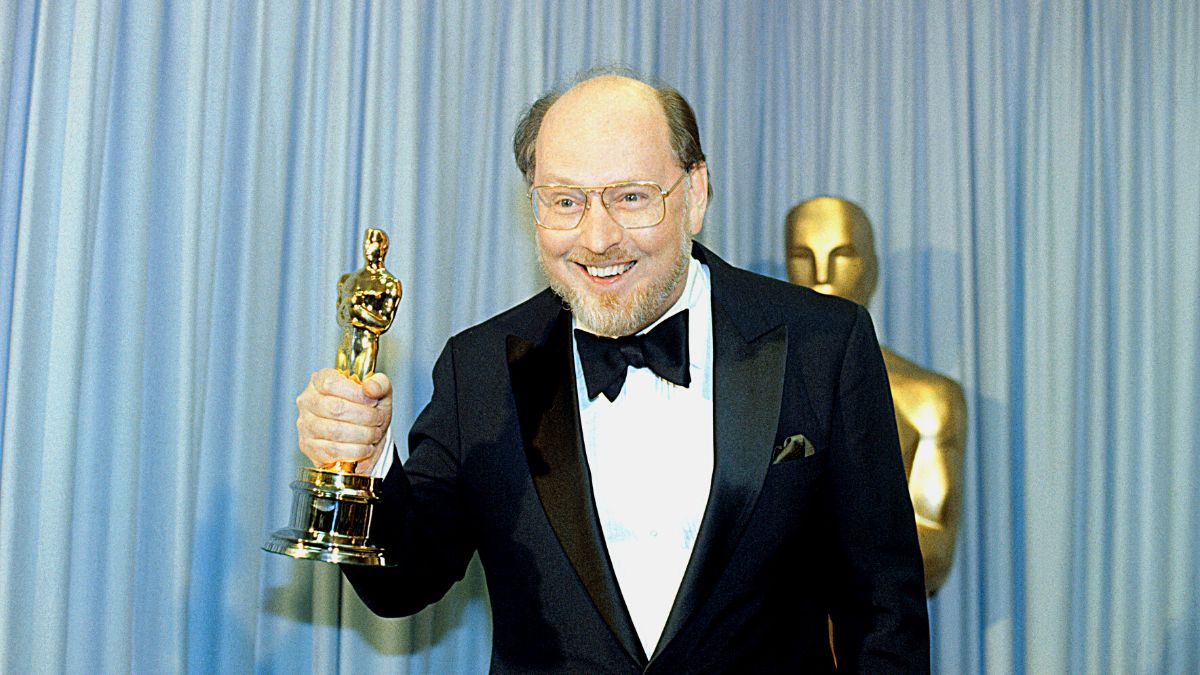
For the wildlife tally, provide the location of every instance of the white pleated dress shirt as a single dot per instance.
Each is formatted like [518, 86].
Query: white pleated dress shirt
[650, 453]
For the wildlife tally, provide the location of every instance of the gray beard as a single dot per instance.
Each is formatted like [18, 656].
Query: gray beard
[607, 314]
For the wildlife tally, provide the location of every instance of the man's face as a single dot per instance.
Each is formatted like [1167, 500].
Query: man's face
[616, 281]
[830, 250]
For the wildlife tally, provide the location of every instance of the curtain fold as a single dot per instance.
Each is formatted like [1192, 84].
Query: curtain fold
[182, 184]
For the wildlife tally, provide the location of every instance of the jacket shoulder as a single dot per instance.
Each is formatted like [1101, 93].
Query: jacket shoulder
[531, 319]
[780, 302]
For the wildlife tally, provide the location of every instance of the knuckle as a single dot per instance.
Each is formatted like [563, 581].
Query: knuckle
[326, 452]
[321, 380]
[316, 385]
[336, 407]
[323, 429]
[321, 456]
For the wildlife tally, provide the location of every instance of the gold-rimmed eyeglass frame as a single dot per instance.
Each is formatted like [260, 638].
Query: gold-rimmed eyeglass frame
[634, 205]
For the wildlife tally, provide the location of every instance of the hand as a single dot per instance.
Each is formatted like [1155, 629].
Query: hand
[343, 421]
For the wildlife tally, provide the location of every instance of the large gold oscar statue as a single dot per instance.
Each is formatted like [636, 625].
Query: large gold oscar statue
[830, 248]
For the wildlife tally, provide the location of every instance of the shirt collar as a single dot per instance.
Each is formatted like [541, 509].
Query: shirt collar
[692, 295]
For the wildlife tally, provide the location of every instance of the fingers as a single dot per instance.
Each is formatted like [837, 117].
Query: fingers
[332, 395]
[330, 382]
[334, 408]
[324, 453]
[336, 431]
[326, 441]
[339, 421]
[377, 386]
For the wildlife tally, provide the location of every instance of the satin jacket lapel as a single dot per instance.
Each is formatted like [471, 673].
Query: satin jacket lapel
[543, 377]
[749, 361]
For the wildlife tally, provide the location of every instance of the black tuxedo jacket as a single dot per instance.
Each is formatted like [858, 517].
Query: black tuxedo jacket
[808, 515]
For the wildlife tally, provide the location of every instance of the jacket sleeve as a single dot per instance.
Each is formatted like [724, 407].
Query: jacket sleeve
[422, 522]
[880, 621]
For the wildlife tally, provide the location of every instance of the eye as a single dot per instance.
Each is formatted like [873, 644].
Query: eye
[631, 197]
[561, 200]
[847, 251]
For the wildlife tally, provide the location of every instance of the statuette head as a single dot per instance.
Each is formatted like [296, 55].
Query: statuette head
[375, 247]
[830, 248]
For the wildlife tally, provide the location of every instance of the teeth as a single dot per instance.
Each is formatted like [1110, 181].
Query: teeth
[610, 271]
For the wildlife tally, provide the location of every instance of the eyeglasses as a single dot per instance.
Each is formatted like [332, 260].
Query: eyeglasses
[633, 204]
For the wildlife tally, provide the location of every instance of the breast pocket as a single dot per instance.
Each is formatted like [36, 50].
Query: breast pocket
[796, 471]
[790, 493]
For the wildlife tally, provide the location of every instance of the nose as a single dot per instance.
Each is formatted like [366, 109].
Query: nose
[598, 232]
[821, 267]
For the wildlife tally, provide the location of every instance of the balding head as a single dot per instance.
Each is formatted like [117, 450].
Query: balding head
[588, 133]
[625, 87]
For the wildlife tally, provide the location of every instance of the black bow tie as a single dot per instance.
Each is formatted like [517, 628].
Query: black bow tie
[664, 350]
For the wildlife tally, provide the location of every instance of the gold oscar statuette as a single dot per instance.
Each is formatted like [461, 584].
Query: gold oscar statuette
[331, 506]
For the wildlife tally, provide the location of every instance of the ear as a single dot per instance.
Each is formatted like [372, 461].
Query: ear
[697, 192]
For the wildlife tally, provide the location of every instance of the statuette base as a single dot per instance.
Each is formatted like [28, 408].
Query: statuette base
[331, 519]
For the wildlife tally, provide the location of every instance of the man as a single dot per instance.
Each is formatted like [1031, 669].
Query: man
[696, 499]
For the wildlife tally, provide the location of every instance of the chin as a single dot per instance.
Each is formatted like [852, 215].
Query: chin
[626, 311]
[616, 313]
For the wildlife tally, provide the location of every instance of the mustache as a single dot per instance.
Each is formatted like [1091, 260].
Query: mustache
[586, 257]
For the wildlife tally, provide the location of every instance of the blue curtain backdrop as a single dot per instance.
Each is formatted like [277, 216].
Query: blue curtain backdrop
[182, 183]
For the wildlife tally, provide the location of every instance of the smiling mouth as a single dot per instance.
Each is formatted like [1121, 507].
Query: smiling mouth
[607, 272]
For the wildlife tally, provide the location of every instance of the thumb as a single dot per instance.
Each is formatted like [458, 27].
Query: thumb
[377, 386]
